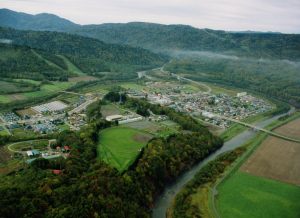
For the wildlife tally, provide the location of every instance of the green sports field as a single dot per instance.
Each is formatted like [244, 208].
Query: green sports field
[119, 146]
[247, 196]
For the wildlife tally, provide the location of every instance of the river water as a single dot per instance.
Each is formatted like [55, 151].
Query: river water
[165, 199]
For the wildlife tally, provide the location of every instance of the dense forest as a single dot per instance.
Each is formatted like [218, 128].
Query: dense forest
[21, 62]
[273, 78]
[166, 38]
[87, 187]
[90, 55]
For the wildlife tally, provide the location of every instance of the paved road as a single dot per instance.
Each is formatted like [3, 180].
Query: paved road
[82, 106]
[185, 79]
[258, 128]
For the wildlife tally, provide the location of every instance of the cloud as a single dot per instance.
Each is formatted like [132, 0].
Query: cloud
[259, 15]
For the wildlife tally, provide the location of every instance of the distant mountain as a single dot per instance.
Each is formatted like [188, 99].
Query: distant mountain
[18, 20]
[169, 38]
[90, 55]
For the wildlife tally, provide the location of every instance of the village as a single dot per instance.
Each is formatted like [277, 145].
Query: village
[57, 115]
[204, 105]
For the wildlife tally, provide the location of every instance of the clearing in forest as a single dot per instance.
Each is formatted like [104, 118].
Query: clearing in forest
[120, 146]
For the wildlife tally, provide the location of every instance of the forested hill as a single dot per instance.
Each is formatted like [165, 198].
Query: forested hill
[21, 62]
[90, 55]
[19, 20]
[168, 38]
[180, 37]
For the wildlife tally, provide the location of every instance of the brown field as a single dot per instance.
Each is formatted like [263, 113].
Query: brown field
[16, 97]
[4, 155]
[292, 129]
[82, 78]
[28, 111]
[277, 158]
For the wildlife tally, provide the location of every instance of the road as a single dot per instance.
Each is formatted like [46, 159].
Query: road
[82, 106]
[22, 152]
[258, 128]
[143, 73]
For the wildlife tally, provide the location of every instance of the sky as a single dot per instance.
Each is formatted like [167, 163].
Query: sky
[234, 15]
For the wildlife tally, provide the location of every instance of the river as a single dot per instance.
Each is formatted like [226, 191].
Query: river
[165, 199]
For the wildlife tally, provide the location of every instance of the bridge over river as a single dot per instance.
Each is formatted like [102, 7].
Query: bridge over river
[257, 128]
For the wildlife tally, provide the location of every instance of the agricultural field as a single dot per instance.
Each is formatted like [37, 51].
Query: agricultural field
[27, 111]
[275, 159]
[292, 129]
[46, 89]
[269, 180]
[82, 79]
[119, 146]
[247, 196]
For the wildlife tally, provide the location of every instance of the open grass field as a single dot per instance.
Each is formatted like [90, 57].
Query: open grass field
[119, 146]
[247, 196]
[21, 133]
[134, 86]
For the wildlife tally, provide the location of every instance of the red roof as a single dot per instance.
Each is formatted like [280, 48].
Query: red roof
[56, 172]
[67, 147]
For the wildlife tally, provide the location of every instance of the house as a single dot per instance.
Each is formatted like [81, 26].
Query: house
[67, 148]
[114, 118]
[56, 172]
[33, 152]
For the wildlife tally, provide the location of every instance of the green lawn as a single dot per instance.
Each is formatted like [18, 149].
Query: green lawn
[247, 196]
[119, 146]
[36, 144]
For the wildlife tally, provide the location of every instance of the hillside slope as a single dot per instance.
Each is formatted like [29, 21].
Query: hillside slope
[22, 62]
[90, 55]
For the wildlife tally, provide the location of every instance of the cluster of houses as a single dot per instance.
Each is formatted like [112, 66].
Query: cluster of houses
[203, 103]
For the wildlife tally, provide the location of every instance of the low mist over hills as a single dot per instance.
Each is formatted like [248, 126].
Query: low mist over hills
[166, 38]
